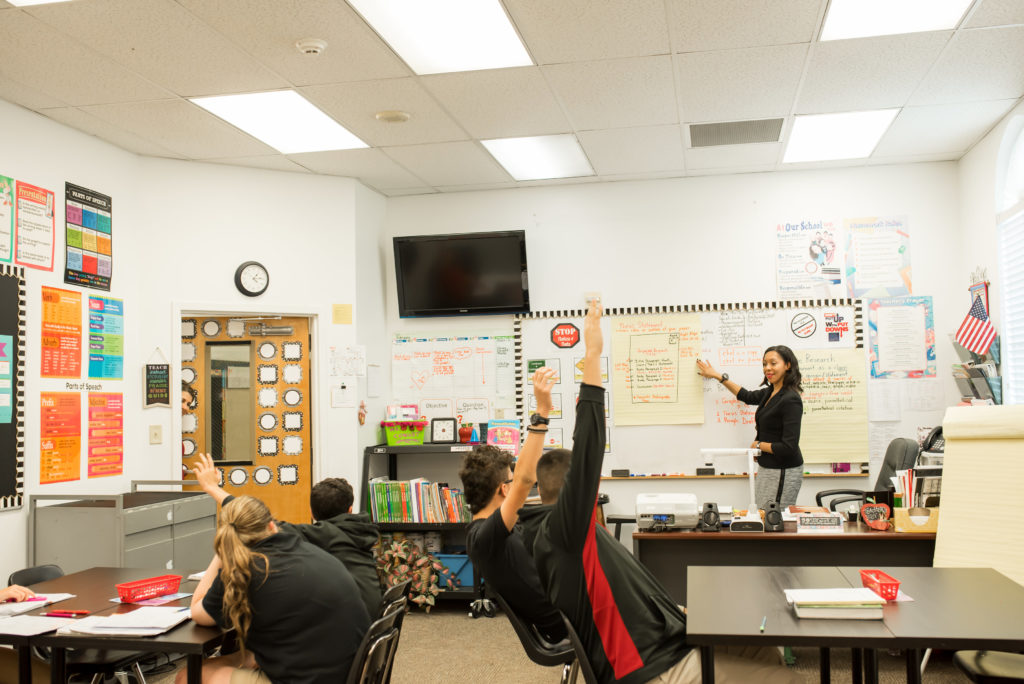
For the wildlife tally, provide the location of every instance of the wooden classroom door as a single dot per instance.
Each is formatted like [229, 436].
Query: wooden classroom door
[253, 408]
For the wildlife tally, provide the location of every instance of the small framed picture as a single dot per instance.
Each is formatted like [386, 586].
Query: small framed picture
[443, 431]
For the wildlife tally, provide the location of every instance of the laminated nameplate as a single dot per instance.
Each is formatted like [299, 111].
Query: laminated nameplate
[819, 523]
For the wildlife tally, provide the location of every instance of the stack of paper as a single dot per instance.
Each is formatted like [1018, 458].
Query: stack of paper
[30, 625]
[847, 603]
[38, 601]
[147, 621]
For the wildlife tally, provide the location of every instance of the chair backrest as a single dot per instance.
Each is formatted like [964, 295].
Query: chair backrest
[392, 594]
[537, 649]
[901, 454]
[35, 574]
[375, 655]
[581, 654]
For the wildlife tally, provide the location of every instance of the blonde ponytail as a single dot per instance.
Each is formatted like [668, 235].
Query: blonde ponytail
[243, 522]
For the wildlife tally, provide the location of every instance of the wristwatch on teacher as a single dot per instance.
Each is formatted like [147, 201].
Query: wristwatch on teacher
[725, 376]
[537, 419]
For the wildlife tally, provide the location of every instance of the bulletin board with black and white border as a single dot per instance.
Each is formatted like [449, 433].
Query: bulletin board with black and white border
[12, 386]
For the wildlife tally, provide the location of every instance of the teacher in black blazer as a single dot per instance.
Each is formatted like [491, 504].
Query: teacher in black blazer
[780, 466]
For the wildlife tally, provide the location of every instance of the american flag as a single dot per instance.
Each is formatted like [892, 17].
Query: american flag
[976, 333]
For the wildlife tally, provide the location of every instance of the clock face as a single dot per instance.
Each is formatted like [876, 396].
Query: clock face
[442, 430]
[251, 278]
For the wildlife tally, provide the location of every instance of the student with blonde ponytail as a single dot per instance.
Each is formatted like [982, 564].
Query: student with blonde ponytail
[295, 609]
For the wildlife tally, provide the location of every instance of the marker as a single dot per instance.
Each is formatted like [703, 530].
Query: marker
[34, 598]
[764, 621]
[66, 613]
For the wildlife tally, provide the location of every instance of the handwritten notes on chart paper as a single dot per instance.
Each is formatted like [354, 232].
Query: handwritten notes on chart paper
[654, 376]
[834, 427]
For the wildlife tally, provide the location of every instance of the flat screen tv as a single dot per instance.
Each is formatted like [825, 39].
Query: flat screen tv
[469, 273]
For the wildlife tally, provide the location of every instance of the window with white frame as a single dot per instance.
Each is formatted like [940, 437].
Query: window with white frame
[1011, 271]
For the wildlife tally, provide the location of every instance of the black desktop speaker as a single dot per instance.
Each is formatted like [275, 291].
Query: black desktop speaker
[709, 519]
[773, 517]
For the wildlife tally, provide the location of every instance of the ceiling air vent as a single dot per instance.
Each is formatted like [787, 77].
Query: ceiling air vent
[735, 132]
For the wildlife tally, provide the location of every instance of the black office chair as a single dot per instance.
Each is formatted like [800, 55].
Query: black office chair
[538, 649]
[376, 653]
[98, 663]
[582, 660]
[901, 454]
[990, 667]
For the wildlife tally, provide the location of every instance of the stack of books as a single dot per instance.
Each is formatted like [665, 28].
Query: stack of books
[416, 501]
[848, 603]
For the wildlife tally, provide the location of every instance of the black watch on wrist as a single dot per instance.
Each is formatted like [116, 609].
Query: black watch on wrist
[537, 419]
[725, 376]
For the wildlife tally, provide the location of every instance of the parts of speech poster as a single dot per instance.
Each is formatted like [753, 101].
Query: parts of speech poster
[60, 431]
[33, 227]
[62, 333]
[106, 434]
[106, 338]
[89, 253]
[6, 218]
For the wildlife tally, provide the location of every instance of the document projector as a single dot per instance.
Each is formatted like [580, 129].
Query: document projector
[661, 512]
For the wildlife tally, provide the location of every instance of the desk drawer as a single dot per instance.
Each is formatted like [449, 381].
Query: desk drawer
[194, 507]
[147, 517]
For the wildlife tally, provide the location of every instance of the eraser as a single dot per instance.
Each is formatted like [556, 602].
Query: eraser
[620, 472]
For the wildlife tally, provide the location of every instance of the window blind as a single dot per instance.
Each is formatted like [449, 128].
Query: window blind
[1011, 269]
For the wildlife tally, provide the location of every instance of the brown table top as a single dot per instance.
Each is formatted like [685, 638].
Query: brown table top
[850, 530]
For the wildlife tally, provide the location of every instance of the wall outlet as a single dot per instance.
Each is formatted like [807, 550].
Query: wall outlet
[156, 434]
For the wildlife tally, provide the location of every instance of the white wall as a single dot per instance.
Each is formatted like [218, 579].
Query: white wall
[180, 229]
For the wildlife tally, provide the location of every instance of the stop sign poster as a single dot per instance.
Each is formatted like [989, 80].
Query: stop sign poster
[565, 335]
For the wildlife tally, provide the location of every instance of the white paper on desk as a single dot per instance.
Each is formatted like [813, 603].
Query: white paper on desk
[837, 596]
[197, 575]
[30, 625]
[25, 606]
[147, 617]
[93, 625]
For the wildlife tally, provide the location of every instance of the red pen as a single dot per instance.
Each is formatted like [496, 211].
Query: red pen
[65, 613]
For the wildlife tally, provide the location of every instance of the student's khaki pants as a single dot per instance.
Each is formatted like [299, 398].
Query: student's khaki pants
[733, 665]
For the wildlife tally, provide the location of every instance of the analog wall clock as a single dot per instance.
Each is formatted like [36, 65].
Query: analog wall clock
[251, 278]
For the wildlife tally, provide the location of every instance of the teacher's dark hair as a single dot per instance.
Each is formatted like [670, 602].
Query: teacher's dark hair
[792, 378]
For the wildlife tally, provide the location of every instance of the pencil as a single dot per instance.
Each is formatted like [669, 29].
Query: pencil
[764, 621]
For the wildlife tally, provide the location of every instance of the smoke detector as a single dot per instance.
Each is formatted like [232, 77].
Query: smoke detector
[311, 46]
[392, 116]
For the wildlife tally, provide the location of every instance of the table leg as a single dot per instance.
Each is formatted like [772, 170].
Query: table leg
[707, 665]
[870, 666]
[825, 665]
[25, 664]
[57, 660]
[857, 663]
[195, 668]
[913, 666]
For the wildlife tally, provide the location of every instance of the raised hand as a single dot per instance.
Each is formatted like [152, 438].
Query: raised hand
[543, 382]
[707, 370]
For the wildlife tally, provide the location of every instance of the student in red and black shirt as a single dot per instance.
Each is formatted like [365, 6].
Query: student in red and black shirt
[632, 630]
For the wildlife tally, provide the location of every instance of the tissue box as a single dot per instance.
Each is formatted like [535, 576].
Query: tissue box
[916, 519]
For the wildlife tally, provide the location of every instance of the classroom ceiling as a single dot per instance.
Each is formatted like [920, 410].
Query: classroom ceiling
[627, 77]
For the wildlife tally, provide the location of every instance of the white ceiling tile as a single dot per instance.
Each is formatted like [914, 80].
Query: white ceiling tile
[633, 150]
[979, 64]
[939, 129]
[731, 85]
[453, 163]
[354, 106]
[181, 127]
[572, 31]
[859, 74]
[33, 53]
[616, 93]
[754, 155]
[371, 166]
[996, 13]
[273, 162]
[268, 31]
[699, 25]
[500, 103]
[87, 123]
[162, 41]
[26, 96]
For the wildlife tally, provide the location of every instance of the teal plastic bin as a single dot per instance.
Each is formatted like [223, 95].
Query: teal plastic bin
[461, 567]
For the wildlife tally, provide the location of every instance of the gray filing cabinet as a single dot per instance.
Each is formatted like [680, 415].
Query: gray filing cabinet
[172, 530]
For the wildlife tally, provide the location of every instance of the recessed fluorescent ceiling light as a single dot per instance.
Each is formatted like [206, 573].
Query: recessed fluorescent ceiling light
[540, 157]
[862, 18]
[283, 119]
[848, 135]
[441, 36]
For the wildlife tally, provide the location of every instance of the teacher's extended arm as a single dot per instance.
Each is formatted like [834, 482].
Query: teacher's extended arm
[706, 370]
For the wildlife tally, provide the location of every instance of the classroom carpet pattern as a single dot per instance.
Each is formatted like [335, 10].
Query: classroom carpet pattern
[447, 646]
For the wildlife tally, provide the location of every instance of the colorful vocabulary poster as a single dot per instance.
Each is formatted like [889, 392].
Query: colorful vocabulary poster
[6, 378]
[60, 431]
[89, 256]
[6, 218]
[33, 227]
[809, 260]
[878, 257]
[106, 338]
[106, 434]
[901, 335]
[62, 334]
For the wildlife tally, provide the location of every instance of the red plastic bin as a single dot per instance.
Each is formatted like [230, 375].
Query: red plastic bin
[882, 584]
[148, 588]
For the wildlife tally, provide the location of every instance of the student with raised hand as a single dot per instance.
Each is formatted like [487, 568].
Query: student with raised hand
[294, 607]
[495, 496]
[780, 410]
[633, 632]
[349, 537]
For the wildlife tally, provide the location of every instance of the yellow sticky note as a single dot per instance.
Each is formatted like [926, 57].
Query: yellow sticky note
[342, 314]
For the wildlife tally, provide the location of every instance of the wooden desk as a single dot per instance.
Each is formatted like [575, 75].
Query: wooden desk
[93, 590]
[952, 608]
[667, 554]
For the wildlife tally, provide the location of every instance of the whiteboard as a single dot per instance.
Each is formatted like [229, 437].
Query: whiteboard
[826, 334]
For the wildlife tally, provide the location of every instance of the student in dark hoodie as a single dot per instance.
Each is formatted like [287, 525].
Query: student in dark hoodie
[632, 630]
[347, 536]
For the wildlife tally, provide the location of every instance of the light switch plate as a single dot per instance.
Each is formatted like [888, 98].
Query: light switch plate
[156, 434]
